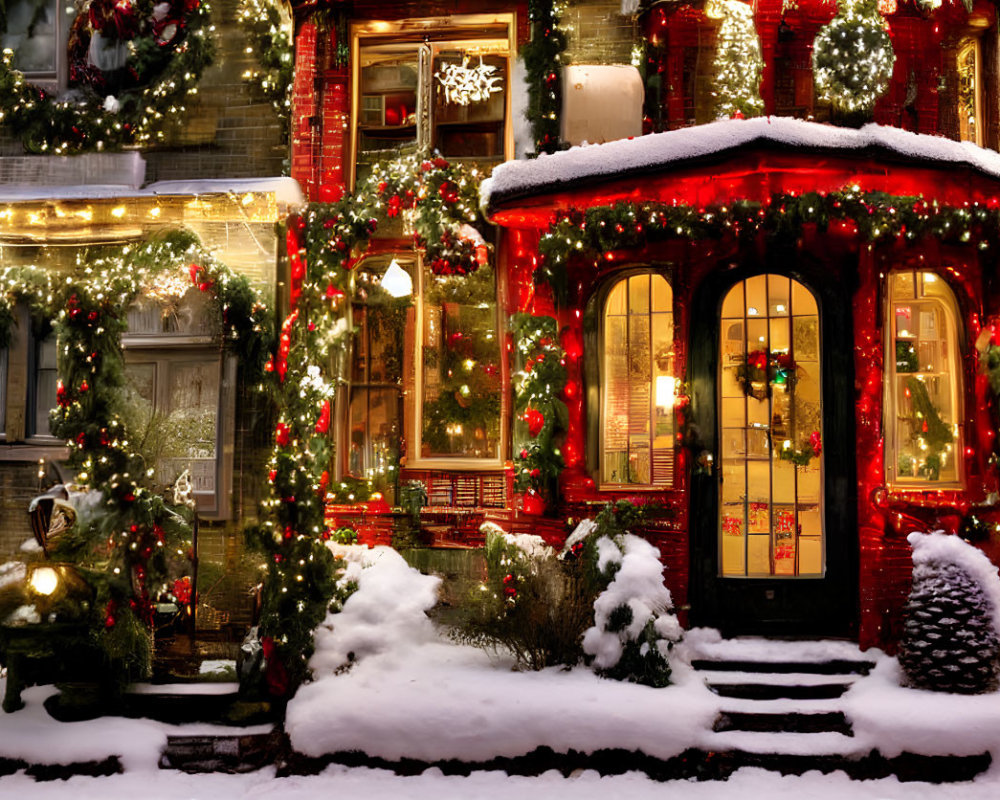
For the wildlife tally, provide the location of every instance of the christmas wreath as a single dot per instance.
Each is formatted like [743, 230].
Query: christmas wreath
[131, 65]
[853, 58]
[762, 368]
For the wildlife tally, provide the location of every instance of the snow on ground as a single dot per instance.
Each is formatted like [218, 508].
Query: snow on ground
[550, 171]
[413, 693]
[368, 784]
[33, 736]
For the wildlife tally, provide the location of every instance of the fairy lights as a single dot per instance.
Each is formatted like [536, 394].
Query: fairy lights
[738, 62]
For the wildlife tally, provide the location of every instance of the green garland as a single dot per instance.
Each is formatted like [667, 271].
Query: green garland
[269, 36]
[541, 56]
[584, 237]
[440, 201]
[134, 540]
[540, 416]
[170, 72]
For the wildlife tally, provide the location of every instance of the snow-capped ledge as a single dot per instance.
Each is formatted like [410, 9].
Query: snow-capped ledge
[595, 162]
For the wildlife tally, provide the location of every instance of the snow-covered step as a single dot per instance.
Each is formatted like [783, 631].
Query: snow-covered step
[826, 743]
[771, 691]
[839, 666]
[789, 679]
[784, 722]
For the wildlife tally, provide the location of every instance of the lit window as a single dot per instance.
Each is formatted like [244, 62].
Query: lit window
[453, 401]
[770, 428]
[637, 383]
[180, 399]
[376, 373]
[922, 381]
[969, 94]
[37, 31]
[447, 91]
[42, 398]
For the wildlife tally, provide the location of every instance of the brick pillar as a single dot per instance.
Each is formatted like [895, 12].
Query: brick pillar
[304, 106]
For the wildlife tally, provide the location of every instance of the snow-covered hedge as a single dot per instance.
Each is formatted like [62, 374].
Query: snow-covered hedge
[951, 638]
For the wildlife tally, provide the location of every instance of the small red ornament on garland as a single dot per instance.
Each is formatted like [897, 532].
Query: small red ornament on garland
[282, 434]
[535, 420]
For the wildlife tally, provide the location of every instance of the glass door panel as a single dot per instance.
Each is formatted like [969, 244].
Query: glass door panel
[771, 521]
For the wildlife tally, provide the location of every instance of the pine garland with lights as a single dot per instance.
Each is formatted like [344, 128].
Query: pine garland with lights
[269, 33]
[541, 56]
[853, 59]
[738, 62]
[167, 55]
[587, 238]
[539, 415]
[133, 540]
[440, 202]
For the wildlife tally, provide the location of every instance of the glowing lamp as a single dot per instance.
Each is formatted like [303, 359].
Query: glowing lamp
[666, 387]
[44, 580]
[397, 281]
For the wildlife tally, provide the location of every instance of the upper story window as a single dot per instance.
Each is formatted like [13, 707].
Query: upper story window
[37, 32]
[637, 383]
[440, 83]
[969, 92]
[923, 382]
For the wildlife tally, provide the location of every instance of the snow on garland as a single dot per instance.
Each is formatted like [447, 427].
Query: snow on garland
[634, 628]
[951, 633]
[132, 64]
[853, 58]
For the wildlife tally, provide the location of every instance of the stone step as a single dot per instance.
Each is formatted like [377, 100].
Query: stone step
[231, 754]
[797, 722]
[832, 667]
[180, 703]
[774, 691]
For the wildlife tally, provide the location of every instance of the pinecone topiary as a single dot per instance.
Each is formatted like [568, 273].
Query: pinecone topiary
[949, 642]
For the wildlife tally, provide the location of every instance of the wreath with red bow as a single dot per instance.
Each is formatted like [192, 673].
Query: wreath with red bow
[131, 63]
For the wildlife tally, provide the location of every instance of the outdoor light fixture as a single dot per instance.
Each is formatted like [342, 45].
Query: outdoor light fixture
[397, 281]
[44, 580]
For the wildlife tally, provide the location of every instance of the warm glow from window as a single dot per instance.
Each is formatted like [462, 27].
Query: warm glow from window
[922, 411]
[637, 383]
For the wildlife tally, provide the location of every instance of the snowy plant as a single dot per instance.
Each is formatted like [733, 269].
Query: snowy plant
[634, 628]
[950, 639]
[532, 604]
[386, 605]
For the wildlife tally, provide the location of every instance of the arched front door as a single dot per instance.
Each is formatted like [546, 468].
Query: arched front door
[771, 524]
[771, 431]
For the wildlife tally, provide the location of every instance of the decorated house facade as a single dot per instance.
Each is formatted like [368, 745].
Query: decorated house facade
[778, 329]
[141, 163]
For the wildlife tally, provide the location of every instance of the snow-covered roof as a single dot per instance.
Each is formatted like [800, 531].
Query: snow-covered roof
[594, 163]
[286, 190]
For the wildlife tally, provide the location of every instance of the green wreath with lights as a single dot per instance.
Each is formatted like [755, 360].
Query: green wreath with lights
[132, 65]
[853, 58]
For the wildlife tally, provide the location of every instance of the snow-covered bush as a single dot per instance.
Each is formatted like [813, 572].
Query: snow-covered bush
[532, 603]
[634, 628]
[950, 637]
[386, 605]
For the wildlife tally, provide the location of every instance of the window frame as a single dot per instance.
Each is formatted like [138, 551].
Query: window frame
[973, 44]
[431, 32]
[601, 307]
[56, 80]
[955, 336]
